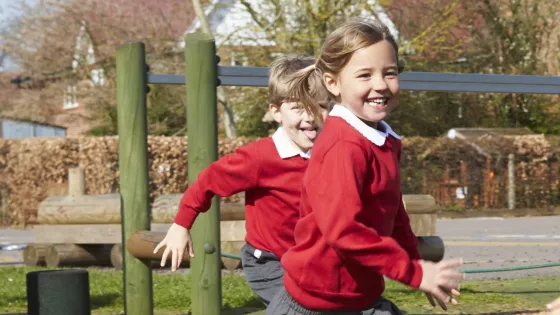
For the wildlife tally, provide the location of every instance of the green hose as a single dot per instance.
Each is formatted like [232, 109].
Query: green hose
[231, 256]
[556, 264]
[481, 270]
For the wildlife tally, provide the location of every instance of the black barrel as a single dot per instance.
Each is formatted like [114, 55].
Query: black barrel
[58, 292]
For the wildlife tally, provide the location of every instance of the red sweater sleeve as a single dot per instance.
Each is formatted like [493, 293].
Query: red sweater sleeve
[337, 207]
[231, 174]
[402, 232]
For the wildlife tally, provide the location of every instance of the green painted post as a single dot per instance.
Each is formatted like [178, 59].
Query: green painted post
[133, 168]
[202, 124]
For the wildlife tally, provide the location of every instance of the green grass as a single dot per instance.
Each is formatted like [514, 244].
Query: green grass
[172, 294]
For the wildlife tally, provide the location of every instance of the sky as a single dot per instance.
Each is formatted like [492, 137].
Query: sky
[7, 13]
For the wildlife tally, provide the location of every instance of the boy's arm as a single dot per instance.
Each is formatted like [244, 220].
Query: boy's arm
[337, 209]
[231, 174]
[402, 232]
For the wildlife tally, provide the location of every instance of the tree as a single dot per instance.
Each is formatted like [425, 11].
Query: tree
[44, 40]
[499, 36]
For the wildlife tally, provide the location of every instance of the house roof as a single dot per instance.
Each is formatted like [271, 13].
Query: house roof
[35, 122]
[231, 24]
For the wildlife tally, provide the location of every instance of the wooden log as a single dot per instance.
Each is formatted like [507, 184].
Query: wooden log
[419, 204]
[34, 254]
[116, 256]
[141, 245]
[76, 181]
[117, 261]
[422, 211]
[78, 255]
[86, 209]
[106, 209]
[111, 233]
[165, 208]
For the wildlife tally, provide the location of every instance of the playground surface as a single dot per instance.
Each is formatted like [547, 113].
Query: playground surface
[172, 294]
[490, 242]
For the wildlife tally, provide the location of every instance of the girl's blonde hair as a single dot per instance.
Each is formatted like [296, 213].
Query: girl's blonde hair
[335, 54]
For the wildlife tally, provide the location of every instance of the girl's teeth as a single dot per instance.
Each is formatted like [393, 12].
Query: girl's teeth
[377, 101]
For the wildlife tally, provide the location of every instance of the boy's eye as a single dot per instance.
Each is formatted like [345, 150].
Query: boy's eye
[364, 75]
[391, 73]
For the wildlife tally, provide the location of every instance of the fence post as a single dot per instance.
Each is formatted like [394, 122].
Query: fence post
[133, 168]
[511, 181]
[201, 81]
[4, 195]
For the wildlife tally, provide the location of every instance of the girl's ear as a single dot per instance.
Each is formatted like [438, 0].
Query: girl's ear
[274, 111]
[332, 84]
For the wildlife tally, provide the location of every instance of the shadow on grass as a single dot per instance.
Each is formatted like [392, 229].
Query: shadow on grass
[99, 301]
[505, 291]
[251, 306]
[521, 312]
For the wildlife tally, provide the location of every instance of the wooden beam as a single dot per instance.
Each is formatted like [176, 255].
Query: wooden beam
[230, 231]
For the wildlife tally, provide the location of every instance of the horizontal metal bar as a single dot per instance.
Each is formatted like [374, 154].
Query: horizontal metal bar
[479, 87]
[479, 78]
[166, 79]
[261, 72]
[415, 81]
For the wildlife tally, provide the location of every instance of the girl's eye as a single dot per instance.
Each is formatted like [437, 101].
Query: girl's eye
[391, 73]
[364, 75]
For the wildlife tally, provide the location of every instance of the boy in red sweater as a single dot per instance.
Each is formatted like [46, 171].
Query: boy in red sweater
[353, 229]
[270, 171]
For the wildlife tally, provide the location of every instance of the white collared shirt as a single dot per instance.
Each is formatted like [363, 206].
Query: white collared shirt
[285, 147]
[376, 136]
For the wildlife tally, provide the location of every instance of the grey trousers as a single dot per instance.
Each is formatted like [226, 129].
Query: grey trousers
[283, 304]
[264, 275]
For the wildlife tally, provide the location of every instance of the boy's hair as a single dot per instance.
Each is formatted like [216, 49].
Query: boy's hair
[337, 50]
[280, 88]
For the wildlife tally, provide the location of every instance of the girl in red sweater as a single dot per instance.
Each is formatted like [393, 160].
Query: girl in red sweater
[353, 228]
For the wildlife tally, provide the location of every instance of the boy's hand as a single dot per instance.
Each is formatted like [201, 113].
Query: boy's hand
[554, 307]
[440, 281]
[177, 239]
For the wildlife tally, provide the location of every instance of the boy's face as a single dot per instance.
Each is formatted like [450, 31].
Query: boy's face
[298, 125]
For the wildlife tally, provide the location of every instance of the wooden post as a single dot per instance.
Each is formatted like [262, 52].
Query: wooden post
[133, 168]
[201, 77]
[76, 182]
[4, 195]
[511, 181]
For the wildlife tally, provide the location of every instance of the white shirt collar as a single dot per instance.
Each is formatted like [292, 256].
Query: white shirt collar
[285, 147]
[376, 136]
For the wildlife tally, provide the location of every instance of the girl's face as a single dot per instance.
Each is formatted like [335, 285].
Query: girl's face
[368, 85]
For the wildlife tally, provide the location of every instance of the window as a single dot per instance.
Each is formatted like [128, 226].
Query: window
[70, 97]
